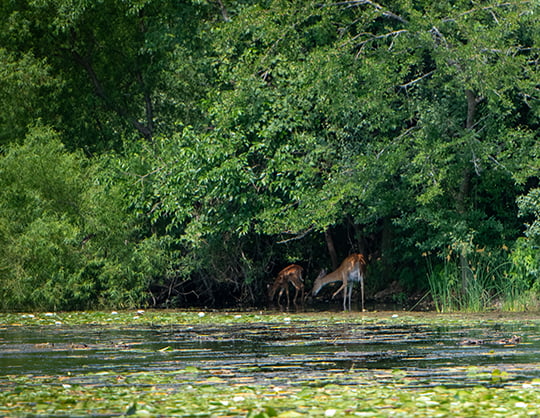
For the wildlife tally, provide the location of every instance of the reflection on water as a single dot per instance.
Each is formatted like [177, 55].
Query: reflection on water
[295, 353]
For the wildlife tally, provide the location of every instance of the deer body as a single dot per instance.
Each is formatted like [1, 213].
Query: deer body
[290, 274]
[352, 269]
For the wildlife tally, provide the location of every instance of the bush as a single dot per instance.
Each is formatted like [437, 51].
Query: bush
[67, 237]
[40, 214]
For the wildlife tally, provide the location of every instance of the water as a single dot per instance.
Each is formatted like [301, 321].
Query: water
[291, 353]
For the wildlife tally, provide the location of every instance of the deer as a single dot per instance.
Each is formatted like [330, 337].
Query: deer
[352, 269]
[290, 274]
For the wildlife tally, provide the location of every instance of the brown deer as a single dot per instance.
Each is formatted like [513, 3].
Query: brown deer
[290, 274]
[353, 269]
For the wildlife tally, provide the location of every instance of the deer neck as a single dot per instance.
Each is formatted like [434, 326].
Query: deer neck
[272, 290]
[335, 276]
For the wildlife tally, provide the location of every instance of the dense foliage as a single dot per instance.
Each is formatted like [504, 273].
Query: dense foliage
[173, 153]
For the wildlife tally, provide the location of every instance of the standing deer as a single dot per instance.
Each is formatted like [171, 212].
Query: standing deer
[290, 274]
[353, 269]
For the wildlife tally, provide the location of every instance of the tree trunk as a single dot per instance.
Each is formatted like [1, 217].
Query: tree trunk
[388, 274]
[464, 193]
[331, 249]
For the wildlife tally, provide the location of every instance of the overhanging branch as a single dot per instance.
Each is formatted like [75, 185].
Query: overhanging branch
[297, 237]
[376, 6]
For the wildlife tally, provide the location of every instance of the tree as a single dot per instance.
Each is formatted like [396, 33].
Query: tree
[130, 69]
[402, 116]
[473, 136]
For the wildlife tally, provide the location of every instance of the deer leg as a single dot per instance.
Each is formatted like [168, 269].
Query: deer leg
[280, 294]
[339, 290]
[295, 294]
[344, 288]
[362, 291]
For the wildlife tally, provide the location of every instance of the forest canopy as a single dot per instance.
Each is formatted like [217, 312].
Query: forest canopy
[172, 154]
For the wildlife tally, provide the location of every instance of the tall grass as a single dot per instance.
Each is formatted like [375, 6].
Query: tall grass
[443, 280]
[488, 284]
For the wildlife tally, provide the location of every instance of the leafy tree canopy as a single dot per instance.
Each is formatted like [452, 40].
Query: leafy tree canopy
[226, 138]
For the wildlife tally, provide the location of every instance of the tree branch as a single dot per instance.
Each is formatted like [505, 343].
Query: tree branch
[100, 92]
[374, 37]
[486, 8]
[416, 80]
[223, 10]
[376, 6]
[297, 237]
[86, 64]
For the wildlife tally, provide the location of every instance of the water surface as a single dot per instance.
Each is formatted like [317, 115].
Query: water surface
[293, 352]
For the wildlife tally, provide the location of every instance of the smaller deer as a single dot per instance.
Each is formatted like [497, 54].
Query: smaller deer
[290, 274]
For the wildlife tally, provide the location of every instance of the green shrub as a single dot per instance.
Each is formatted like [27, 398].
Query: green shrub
[68, 239]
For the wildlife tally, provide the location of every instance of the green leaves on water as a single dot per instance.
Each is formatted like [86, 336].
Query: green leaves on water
[141, 394]
[173, 317]
[184, 389]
